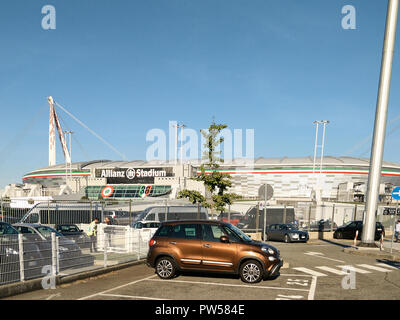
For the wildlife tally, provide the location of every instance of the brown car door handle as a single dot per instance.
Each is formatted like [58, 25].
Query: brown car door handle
[207, 245]
[173, 242]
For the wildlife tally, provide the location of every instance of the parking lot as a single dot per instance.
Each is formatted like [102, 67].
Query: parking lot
[316, 271]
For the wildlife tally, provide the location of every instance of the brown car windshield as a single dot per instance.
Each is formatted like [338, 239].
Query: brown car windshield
[237, 233]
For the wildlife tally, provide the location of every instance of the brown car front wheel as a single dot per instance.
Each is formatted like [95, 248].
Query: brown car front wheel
[251, 271]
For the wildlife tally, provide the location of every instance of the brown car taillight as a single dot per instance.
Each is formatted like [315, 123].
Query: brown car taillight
[152, 242]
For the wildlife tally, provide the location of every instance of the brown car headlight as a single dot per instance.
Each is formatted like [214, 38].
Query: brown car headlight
[268, 250]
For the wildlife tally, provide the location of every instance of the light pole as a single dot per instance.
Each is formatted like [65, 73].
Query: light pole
[317, 187]
[375, 165]
[324, 123]
[181, 147]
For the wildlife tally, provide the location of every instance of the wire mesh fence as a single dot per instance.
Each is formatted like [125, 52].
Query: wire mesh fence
[25, 256]
[30, 252]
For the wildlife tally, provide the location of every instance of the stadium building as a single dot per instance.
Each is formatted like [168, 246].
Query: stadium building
[292, 179]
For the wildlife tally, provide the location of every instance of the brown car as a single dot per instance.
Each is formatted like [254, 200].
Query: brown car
[210, 246]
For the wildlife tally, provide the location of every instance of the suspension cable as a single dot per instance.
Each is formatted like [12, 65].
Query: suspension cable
[91, 131]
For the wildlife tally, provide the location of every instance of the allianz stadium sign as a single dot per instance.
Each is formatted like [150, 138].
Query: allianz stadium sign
[133, 175]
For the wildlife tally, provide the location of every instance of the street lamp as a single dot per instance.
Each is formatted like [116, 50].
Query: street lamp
[176, 145]
[324, 123]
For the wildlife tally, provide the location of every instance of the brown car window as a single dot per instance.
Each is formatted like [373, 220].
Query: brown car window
[184, 231]
[212, 232]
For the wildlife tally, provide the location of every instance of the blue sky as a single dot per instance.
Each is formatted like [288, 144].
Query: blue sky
[125, 67]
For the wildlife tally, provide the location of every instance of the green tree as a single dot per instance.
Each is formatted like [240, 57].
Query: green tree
[216, 182]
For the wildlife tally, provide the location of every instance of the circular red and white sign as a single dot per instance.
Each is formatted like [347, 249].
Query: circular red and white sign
[107, 191]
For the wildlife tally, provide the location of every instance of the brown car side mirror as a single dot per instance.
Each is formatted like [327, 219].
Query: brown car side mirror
[224, 239]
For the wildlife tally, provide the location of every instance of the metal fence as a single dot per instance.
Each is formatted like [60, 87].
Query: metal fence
[309, 216]
[24, 256]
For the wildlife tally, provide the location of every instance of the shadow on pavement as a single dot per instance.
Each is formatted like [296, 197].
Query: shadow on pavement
[217, 275]
[389, 263]
[336, 243]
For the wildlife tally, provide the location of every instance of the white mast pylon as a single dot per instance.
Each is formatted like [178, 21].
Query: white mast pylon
[52, 141]
[52, 134]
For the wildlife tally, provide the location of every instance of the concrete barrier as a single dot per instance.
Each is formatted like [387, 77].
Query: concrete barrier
[319, 235]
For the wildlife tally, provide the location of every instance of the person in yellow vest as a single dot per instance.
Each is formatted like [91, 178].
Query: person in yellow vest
[92, 233]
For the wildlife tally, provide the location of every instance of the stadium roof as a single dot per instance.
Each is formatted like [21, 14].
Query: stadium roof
[276, 162]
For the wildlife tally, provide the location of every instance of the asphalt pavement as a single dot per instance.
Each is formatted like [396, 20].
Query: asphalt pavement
[318, 270]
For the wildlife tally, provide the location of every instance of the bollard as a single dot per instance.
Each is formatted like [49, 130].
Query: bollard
[355, 238]
[381, 242]
[21, 257]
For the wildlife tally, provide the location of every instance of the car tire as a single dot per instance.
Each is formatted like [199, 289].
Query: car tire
[165, 268]
[286, 239]
[251, 271]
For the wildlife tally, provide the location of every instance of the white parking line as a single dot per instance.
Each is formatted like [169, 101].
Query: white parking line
[130, 297]
[124, 285]
[313, 287]
[230, 285]
[367, 266]
[339, 272]
[354, 269]
[309, 271]
[387, 266]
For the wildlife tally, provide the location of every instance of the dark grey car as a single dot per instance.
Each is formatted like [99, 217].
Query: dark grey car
[286, 233]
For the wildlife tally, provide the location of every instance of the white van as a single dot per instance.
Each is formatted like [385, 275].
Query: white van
[53, 213]
[163, 213]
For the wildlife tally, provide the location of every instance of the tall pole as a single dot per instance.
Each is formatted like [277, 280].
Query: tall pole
[315, 145]
[182, 126]
[176, 144]
[323, 144]
[375, 165]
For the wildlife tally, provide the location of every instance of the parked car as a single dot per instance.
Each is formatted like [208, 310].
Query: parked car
[10, 255]
[120, 217]
[286, 233]
[237, 219]
[325, 225]
[146, 225]
[70, 254]
[199, 245]
[72, 231]
[348, 230]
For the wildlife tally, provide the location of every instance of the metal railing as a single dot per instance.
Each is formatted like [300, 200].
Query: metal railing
[23, 257]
